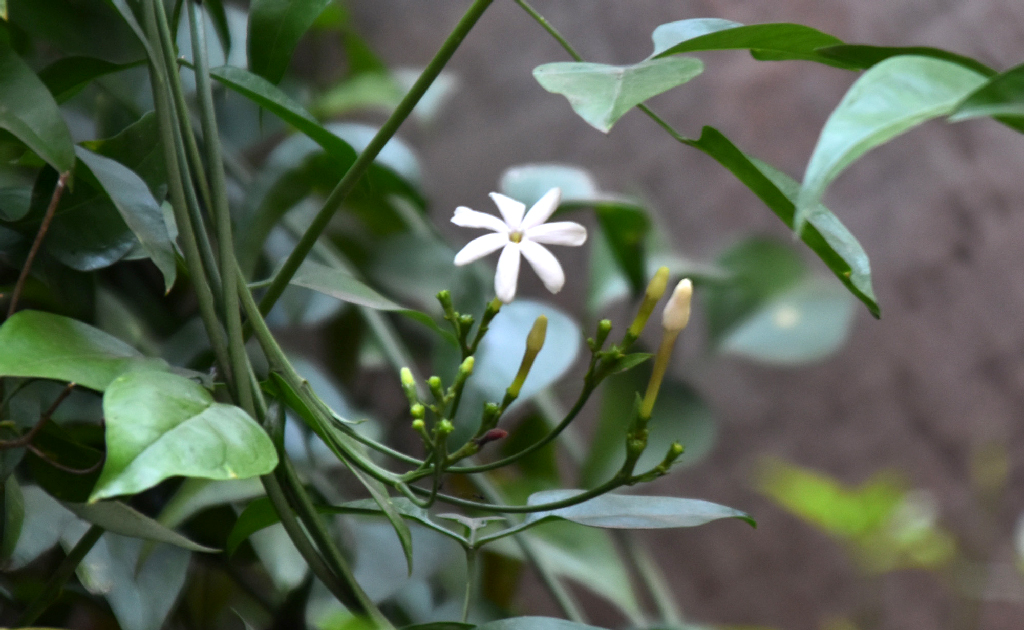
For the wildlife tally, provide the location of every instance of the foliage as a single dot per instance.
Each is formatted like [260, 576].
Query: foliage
[146, 269]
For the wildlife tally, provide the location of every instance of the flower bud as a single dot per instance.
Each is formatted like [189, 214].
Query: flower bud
[467, 366]
[418, 425]
[655, 289]
[444, 428]
[418, 411]
[677, 312]
[409, 385]
[534, 343]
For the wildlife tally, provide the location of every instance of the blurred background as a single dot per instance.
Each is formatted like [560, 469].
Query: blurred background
[934, 390]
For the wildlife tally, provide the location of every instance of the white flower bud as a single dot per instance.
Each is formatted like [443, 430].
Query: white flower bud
[677, 311]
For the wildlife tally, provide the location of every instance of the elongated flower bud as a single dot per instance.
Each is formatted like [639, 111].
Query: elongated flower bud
[534, 343]
[655, 289]
[677, 312]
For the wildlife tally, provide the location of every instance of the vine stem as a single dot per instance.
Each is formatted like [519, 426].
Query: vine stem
[365, 159]
[58, 190]
[53, 586]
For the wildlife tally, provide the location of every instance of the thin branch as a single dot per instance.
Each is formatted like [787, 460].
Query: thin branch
[58, 190]
[26, 439]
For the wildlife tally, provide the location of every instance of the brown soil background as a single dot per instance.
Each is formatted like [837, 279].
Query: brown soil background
[938, 210]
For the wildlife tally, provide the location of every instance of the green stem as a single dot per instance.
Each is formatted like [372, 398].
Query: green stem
[221, 211]
[189, 245]
[550, 29]
[53, 586]
[562, 596]
[471, 554]
[365, 159]
[187, 149]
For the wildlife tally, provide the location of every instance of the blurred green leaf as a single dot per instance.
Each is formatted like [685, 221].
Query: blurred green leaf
[887, 100]
[824, 234]
[862, 56]
[267, 95]
[601, 94]
[137, 147]
[275, 28]
[215, 9]
[195, 495]
[761, 269]
[119, 518]
[44, 345]
[765, 41]
[29, 112]
[15, 203]
[884, 526]
[138, 208]
[12, 519]
[535, 623]
[159, 425]
[1001, 96]
[67, 76]
[626, 226]
[624, 511]
[806, 323]
[77, 28]
[528, 182]
[338, 284]
[679, 415]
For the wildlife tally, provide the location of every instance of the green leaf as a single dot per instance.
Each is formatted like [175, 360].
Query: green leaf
[767, 41]
[887, 100]
[824, 234]
[761, 269]
[807, 323]
[260, 514]
[601, 94]
[1001, 95]
[29, 112]
[535, 623]
[529, 182]
[159, 425]
[44, 345]
[119, 518]
[15, 203]
[58, 444]
[440, 625]
[624, 511]
[138, 208]
[275, 27]
[67, 76]
[137, 147]
[863, 56]
[76, 28]
[215, 9]
[12, 518]
[338, 284]
[680, 415]
[386, 504]
[195, 495]
[625, 226]
[267, 95]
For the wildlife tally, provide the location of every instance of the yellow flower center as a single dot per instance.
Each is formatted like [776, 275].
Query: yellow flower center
[515, 237]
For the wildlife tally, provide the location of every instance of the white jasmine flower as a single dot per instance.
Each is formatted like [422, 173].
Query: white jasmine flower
[518, 234]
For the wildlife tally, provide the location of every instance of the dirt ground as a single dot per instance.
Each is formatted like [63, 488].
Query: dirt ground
[938, 378]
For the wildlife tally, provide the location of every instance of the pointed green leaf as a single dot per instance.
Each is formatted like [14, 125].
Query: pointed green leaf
[67, 76]
[624, 511]
[44, 345]
[121, 519]
[28, 111]
[824, 234]
[601, 94]
[12, 517]
[269, 96]
[767, 41]
[887, 100]
[140, 211]
[160, 425]
[1001, 95]
[275, 27]
[863, 56]
[215, 9]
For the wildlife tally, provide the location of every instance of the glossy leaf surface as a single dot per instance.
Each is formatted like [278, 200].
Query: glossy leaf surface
[159, 425]
[887, 100]
[1001, 95]
[138, 208]
[29, 112]
[624, 511]
[44, 345]
[768, 41]
[119, 518]
[601, 94]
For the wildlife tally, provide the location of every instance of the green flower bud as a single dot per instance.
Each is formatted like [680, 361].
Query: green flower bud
[655, 289]
[534, 343]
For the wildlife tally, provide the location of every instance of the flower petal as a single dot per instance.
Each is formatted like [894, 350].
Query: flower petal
[543, 209]
[545, 264]
[507, 275]
[558, 233]
[511, 209]
[464, 217]
[480, 247]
